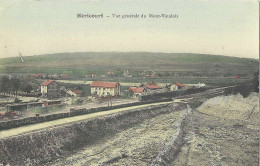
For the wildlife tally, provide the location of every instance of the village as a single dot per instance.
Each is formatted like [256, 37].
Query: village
[63, 117]
[49, 95]
[146, 83]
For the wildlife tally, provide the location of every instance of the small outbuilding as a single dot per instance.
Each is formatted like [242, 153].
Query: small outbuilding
[176, 86]
[137, 91]
[74, 93]
[151, 86]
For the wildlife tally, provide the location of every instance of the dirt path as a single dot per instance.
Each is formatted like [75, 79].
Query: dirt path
[138, 145]
[39, 126]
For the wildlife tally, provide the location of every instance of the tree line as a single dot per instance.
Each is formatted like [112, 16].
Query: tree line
[11, 86]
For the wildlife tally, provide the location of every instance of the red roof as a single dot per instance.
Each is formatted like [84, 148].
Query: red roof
[152, 86]
[64, 75]
[136, 89]
[76, 91]
[179, 84]
[32, 75]
[104, 84]
[46, 83]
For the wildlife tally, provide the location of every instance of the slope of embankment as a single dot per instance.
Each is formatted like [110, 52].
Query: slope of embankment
[136, 145]
[222, 131]
[45, 145]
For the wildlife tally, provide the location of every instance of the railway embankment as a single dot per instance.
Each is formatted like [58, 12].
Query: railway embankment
[73, 112]
[171, 148]
[224, 130]
[42, 146]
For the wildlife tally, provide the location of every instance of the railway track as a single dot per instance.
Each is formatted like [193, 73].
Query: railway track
[184, 98]
[208, 93]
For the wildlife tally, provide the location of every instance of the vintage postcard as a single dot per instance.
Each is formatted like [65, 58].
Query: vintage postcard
[129, 82]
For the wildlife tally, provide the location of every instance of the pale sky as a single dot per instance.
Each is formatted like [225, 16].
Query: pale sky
[219, 27]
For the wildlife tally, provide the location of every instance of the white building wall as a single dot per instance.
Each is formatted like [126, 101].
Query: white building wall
[100, 91]
[44, 90]
[174, 87]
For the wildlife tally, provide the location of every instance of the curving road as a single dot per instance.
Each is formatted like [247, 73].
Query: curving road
[64, 121]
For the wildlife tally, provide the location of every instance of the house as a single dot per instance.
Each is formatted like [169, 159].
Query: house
[50, 89]
[137, 91]
[93, 75]
[148, 74]
[39, 75]
[64, 75]
[32, 76]
[110, 73]
[99, 88]
[151, 86]
[53, 76]
[127, 74]
[176, 86]
[74, 93]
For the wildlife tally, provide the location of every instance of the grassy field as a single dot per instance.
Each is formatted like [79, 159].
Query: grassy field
[169, 80]
[165, 65]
